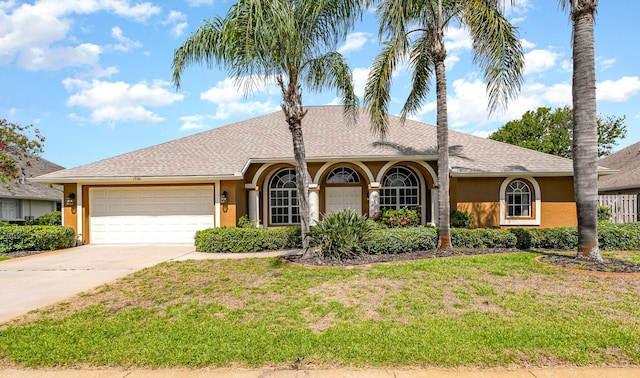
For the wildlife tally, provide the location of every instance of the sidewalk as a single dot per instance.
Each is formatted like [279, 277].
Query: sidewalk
[331, 373]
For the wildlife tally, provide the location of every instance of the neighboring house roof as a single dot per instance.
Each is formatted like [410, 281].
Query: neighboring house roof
[227, 151]
[25, 189]
[627, 163]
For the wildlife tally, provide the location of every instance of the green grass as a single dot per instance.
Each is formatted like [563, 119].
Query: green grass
[487, 311]
[4, 258]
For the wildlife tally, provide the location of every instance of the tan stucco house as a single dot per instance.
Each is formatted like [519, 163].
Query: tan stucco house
[22, 200]
[164, 193]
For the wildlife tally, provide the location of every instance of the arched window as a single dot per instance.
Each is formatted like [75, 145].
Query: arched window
[399, 189]
[518, 199]
[343, 175]
[283, 203]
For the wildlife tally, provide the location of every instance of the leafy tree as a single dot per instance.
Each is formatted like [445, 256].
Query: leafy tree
[552, 132]
[414, 29]
[16, 144]
[585, 128]
[289, 42]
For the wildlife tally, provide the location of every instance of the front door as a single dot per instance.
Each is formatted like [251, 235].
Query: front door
[341, 198]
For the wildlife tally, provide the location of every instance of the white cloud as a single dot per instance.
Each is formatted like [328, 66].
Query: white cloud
[537, 61]
[457, 39]
[197, 3]
[604, 64]
[194, 122]
[526, 44]
[360, 76]
[125, 44]
[229, 98]
[35, 29]
[120, 101]
[178, 22]
[354, 42]
[46, 58]
[618, 91]
[467, 102]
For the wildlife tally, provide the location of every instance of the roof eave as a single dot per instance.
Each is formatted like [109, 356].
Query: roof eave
[512, 173]
[617, 188]
[136, 179]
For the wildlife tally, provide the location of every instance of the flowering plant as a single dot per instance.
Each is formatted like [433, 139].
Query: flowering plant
[392, 218]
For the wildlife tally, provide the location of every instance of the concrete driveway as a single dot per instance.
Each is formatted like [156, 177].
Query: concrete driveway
[35, 281]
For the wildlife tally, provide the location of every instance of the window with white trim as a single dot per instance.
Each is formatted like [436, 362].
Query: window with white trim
[283, 198]
[518, 199]
[520, 202]
[343, 175]
[399, 189]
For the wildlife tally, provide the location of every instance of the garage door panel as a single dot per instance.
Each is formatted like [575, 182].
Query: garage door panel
[149, 214]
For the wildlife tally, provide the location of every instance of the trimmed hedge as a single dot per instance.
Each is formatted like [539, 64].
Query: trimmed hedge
[482, 238]
[624, 237]
[53, 218]
[401, 240]
[36, 238]
[233, 239]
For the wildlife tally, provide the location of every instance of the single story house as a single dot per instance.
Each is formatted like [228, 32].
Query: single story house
[164, 193]
[627, 179]
[621, 190]
[22, 200]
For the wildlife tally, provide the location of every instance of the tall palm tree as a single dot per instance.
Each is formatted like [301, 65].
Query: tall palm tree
[585, 127]
[289, 42]
[416, 29]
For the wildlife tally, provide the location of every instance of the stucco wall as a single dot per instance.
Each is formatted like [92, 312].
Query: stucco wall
[481, 196]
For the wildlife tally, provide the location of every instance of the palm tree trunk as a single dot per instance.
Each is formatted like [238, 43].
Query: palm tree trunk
[439, 54]
[585, 130]
[294, 113]
[301, 180]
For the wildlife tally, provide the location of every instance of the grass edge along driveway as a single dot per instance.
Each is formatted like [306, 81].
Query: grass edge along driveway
[501, 310]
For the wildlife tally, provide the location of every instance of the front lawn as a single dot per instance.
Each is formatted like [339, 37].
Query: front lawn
[486, 311]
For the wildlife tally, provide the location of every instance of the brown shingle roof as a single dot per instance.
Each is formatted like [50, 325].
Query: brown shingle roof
[225, 151]
[627, 162]
[32, 167]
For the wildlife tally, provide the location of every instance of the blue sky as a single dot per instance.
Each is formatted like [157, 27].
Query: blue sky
[95, 75]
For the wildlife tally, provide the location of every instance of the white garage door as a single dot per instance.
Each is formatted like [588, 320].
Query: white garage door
[149, 215]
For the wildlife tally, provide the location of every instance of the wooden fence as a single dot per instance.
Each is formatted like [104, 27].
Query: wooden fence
[624, 207]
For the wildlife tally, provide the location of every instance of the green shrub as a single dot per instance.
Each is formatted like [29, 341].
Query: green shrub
[342, 234]
[36, 238]
[604, 213]
[624, 236]
[460, 219]
[392, 218]
[401, 240]
[245, 222]
[482, 238]
[53, 218]
[234, 239]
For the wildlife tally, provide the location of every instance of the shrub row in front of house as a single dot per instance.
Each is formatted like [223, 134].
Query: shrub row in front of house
[35, 238]
[400, 240]
[232, 239]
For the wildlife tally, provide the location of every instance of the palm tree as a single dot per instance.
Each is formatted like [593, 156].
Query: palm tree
[585, 127]
[289, 42]
[415, 29]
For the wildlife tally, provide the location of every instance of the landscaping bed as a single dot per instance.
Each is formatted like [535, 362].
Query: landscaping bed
[564, 260]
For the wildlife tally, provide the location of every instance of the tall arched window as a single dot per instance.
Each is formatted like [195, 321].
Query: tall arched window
[283, 203]
[343, 175]
[518, 199]
[399, 189]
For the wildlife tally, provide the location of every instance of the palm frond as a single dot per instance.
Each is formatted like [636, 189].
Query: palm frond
[497, 50]
[378, 88]
[422, 64]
